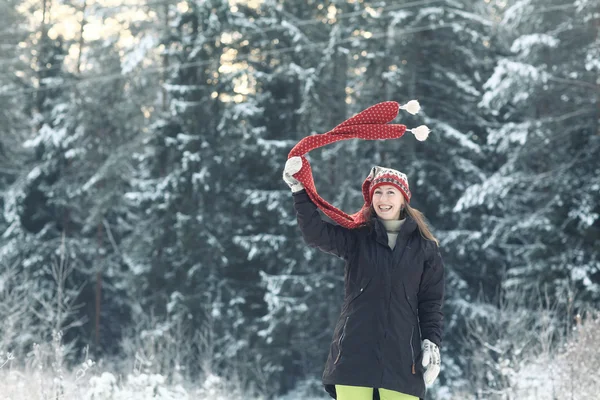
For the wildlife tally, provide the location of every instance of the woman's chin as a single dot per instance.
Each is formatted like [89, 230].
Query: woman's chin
[388, 216]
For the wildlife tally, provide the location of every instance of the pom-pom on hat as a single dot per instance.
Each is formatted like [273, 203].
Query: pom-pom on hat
[370, 124]
[380, 176]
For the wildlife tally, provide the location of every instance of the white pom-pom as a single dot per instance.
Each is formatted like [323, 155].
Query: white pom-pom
[412, 107]
[420, 132]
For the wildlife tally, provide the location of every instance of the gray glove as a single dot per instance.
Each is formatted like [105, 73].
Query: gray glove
[292, 166]
[431, 361]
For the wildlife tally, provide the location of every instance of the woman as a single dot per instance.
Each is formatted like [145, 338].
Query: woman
[394, 289]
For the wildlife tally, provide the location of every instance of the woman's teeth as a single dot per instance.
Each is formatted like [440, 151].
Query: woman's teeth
[385, 208]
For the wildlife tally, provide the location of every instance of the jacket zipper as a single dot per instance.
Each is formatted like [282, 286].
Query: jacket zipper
[389, 301]
[412, 352]
[340, 341]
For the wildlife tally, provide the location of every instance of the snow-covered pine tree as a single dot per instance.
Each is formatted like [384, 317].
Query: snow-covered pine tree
[108, 121]
[70, 181]
[33, 208]
[12, 93]
[15, 290]
[543, 198]
[538, 204]
[183, 252]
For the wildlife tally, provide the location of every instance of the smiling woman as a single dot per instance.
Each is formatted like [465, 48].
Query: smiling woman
[388, 202]
[386, 343]
[390, 329]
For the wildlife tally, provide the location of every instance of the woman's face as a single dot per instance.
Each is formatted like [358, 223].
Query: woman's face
[388, 202]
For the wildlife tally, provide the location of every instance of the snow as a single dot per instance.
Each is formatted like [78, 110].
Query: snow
[34, 173]
[431, 13]
[200, 177]
[592, 61]
[398, 17]
[570, 371]
[136, 54]
[108, 386]
[189, 160]
[275, 144]
[89, 384]
[260, 243]
[74, 153]
[272, 197]
[473, 17]
[508, 135]
[518, 10]
[474, 310]
[178, 106]
[181, 89]
[460, 234]
[307, 389]
[136, 268]
[296, 34]
[525, 44]
[496, 186]
[239, 111]
[536, 381]
[584, 211]
[47, 135]
[175, 300]
[510, 82]
[462, 82]
[272, 200]
[447, 130]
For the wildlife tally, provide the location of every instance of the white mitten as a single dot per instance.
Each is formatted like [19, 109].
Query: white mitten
[293, 165]
[431, 361]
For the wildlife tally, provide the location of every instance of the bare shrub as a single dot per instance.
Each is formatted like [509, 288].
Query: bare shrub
[575, 368]
[504, 337]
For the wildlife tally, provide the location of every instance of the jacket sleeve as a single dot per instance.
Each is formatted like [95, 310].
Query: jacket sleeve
[327, 237]
[431, 297]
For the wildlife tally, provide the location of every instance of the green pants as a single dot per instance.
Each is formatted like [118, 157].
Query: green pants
[345, 392]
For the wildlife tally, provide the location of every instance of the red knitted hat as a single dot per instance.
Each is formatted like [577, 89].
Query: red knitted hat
[380, 176]
[370, 124]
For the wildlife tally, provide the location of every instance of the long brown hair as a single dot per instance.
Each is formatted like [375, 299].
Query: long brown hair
[414, 214]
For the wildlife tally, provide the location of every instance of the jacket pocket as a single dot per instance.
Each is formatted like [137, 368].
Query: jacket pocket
[340, 341]
[412, 351]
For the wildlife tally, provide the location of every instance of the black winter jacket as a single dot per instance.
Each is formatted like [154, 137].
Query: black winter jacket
[393, 300]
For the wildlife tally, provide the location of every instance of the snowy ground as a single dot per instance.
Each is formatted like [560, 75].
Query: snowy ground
[570, 372]
[17, 385]
[89, 383]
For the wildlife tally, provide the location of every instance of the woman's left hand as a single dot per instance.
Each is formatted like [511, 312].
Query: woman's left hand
[431, 361]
